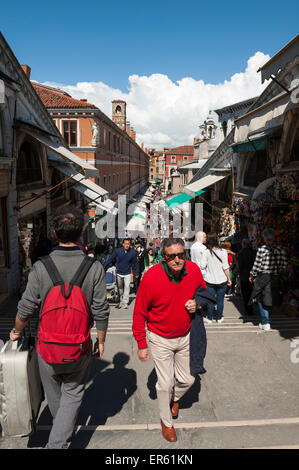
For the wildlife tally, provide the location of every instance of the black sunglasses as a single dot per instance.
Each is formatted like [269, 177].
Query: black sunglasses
[172, 256]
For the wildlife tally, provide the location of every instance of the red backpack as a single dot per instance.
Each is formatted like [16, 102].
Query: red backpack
[65, 321]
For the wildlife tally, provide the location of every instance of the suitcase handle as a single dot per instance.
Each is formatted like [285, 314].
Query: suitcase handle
[14, 345]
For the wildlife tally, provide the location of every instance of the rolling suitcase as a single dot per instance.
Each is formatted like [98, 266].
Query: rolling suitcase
[21, 391]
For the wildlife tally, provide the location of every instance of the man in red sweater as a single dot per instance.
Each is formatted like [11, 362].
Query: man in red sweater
[165, 303]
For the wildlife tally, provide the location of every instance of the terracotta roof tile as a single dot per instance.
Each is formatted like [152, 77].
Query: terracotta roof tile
[54, 98]
[186, 149]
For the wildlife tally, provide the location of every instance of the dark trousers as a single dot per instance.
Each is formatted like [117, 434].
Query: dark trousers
[246, 290]
[136, 282]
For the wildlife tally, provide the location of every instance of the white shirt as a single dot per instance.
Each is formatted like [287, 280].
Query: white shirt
[196, 252]
[214, 267]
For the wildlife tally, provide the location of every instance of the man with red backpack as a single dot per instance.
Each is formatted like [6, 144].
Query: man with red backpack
[68, 290]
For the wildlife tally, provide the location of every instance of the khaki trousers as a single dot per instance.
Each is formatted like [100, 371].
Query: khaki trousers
[171, 360]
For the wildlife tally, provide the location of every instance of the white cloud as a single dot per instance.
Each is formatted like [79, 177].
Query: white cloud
[167, 113]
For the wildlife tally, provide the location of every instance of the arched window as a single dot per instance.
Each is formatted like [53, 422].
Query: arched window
[28, 166]
[256, 170]
[118, 109]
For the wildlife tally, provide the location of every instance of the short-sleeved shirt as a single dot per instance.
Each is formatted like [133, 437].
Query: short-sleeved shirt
[214, 267]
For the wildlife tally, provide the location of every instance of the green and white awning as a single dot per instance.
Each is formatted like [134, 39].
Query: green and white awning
[181, 199]
[259, 143]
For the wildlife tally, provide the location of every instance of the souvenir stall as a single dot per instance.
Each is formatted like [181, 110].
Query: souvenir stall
[275, 203]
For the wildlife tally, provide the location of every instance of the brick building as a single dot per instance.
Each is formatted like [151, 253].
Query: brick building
[38, 173]
[173, 158]
[108, 144]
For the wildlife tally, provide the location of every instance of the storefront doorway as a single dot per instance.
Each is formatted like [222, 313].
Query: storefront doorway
[33, 241]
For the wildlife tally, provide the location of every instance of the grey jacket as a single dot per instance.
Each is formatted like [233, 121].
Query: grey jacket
[67, 262]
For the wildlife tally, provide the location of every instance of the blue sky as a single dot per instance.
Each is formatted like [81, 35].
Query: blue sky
[171, 61]
[73, 41]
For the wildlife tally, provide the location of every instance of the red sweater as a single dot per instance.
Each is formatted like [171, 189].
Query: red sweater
[161, 303]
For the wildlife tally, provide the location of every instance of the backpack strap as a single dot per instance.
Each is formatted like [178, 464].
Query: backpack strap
[82, 271]
[52, 270]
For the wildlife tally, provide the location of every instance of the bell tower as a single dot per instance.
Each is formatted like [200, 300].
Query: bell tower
[119, 113]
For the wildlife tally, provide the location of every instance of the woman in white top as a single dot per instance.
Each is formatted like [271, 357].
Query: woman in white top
[215, 263]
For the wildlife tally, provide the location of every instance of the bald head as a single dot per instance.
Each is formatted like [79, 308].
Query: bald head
[201, 237]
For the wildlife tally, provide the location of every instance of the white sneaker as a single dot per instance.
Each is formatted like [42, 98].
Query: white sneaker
[265, 327]
[221, 320]
[208, 321]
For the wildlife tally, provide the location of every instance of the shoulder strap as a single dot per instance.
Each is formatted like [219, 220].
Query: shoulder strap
[217, 256]
[82, 271]
[52, 270]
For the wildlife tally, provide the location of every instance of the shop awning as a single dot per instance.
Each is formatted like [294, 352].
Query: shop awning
[194, 165]
[136, 225]
[55, 145]
[259, 143]
[180, 199]
[137, 209]
[88, 188]
[203, 183]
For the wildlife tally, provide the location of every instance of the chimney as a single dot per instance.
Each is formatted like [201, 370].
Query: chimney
[26, 70]
[132, 133]
[128, 127]
[142, 146]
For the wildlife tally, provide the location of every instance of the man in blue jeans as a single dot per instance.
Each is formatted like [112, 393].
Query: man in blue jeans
[270, 263]
[126, 259]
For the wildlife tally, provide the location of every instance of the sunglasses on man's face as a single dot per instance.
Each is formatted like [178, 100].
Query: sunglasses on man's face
[172, 256]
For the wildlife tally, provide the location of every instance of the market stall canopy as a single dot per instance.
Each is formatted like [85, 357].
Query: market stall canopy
[136, 226]
[257, 142]
[53, 144]
[149, 191]
[181, 199]
[203, 183]
[88, 188]
[107, 205]
[261, 122]
[194, 165]
[281, 59]
[138, 209]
